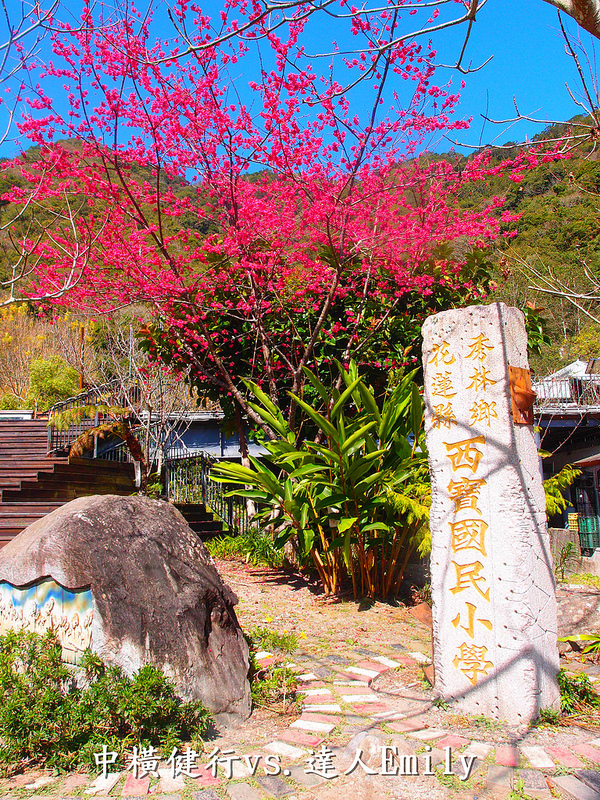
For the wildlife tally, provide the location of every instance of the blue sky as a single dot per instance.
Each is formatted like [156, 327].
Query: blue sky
[528, 62]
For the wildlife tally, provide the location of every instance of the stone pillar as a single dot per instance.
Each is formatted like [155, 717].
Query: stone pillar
[494, 604]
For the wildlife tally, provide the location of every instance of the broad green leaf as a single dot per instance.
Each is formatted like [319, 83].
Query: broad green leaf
[278, 425]
[282, 537]
[252, 493]
[416, 411]
[223, 472]
[367, 482]
[304, 516]
[357, 436]
[332, 501]
[306, 540]
[316, 383]
[263, 397]
[348, 551]
[307, 469]
[343, 398]
[369, 401]
[317, 418]
[346, 523]
[375, 526]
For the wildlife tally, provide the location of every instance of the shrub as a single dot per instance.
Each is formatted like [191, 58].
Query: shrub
[51, 380]
[355, 501]
[276, 687]
[9, 402]
[577, 693]
[58, 716]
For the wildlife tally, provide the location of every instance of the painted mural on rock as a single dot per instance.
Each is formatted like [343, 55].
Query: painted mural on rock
[45, 606]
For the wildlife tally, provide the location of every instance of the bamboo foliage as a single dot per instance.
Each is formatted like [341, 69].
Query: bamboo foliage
[356, 499]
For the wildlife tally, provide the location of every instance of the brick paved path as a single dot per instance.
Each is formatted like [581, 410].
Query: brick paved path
[356, 742]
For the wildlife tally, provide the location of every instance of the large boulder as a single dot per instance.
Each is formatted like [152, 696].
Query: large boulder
[153, 595]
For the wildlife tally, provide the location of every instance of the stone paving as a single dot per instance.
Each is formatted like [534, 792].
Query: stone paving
[353, 740]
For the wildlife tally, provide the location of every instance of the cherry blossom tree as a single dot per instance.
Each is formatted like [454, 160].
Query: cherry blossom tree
[268, 235]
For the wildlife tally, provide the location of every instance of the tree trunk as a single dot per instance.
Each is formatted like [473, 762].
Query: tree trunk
[585, 12]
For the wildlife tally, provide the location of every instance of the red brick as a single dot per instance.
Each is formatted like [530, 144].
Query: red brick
[591, 753]
[507, 755]
[372, 665]
[300, 738]
[354, 676]
[72, 782]
[452, 741]
[267, 661]
[368, 709]
[134, 787]
[564, 757]
[407, 661]
[18, 781]
[319, 698]
[354, 690]
[205, 777]
[312, 716]
[407, 725]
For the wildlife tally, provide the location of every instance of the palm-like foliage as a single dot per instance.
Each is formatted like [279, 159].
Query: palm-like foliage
[355, 499]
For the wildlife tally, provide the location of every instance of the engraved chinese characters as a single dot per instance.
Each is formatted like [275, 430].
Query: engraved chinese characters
[494, 611]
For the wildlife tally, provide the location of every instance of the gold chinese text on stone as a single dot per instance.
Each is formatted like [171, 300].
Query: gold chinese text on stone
[468, 576]
[479, 348]
[440, 353]
[471, 661]
[443, 415]
[465, 493]
[464, 454]
[468, 534]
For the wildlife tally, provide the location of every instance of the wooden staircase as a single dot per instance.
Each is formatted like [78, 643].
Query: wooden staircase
[33, 484]
[200, 520]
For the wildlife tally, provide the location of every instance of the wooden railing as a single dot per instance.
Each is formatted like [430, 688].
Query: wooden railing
[113, 394]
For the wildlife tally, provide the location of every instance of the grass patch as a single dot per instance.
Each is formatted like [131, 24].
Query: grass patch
[273, 642]
[255, 547]
[274, 686]
[585, 579]
[477, 721]
[579, 702]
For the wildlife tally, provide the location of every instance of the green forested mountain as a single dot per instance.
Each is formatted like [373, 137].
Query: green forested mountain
[557, 235]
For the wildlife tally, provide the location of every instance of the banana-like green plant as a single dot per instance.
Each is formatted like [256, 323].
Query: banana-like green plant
[356, 500]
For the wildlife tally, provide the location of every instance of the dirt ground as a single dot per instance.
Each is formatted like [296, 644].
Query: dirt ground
[328, 628]
[291, 604]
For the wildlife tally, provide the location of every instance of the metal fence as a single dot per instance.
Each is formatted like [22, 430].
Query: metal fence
[119, 452]
[580, 391]
[589, 533]
[188, 481]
